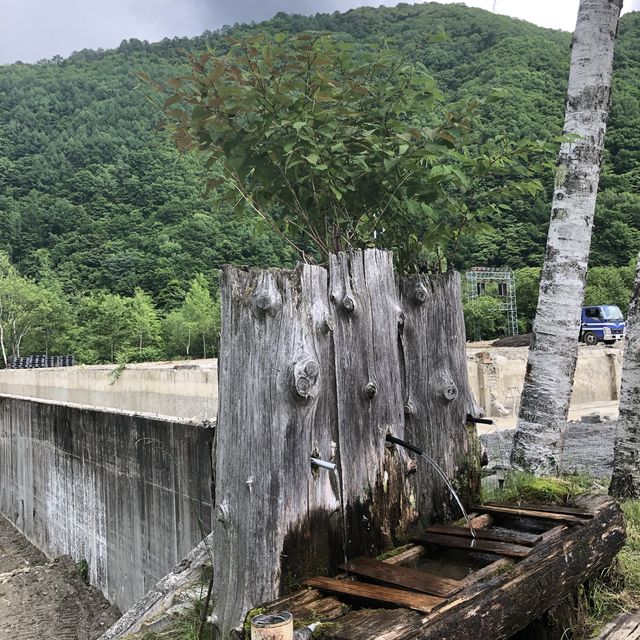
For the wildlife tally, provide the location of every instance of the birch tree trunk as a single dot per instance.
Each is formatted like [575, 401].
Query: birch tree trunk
[554, 350]
[625, 482]
[4, 350]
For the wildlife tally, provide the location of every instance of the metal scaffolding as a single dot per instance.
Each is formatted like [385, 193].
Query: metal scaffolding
[477, 280]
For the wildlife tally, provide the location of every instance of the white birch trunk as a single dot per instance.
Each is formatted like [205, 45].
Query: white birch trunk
[553, 353]
[625, 482]
[4, 350]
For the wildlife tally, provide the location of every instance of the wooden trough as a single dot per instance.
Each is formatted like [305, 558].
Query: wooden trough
[524, 560]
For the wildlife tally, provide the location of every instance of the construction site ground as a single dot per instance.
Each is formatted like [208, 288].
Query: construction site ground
[46, 600]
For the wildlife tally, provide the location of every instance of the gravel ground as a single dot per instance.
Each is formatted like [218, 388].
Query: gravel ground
[43, 600]
[588, 448]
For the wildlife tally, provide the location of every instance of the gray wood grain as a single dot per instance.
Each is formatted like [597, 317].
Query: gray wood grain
[320, 363]
[276, 394]
[437, 396]
[369, 397]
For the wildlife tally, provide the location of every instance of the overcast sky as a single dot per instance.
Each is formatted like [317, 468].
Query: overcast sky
[31, 30]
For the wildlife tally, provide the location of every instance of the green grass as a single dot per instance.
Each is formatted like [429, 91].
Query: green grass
[617, 589]
[523, 487]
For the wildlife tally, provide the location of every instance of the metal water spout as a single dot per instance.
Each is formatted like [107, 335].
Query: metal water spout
[474, 420]
[439, 471]
[323, 464]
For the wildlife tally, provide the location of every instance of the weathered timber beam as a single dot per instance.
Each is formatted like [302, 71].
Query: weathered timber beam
[474, 544]
[512, 537]
[625, 627]
[372, 592]
[403, 577]
[528, 513]
[572, 511]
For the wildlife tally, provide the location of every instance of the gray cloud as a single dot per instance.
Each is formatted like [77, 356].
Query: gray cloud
[31, 30]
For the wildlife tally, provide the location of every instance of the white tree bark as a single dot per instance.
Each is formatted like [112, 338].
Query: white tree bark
[625, 482]
[553, 353]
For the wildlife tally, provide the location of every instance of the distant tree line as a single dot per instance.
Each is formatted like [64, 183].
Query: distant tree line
[100, 327]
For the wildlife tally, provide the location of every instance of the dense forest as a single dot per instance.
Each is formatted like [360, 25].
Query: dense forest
[112, 249]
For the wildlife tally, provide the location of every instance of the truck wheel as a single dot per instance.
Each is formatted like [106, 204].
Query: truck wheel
[609, 341]
[590, 338]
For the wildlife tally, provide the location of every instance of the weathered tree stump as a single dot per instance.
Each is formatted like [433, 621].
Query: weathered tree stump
[324, 364]
[437, 396]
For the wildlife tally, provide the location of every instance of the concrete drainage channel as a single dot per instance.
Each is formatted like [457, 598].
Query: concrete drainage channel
[46, 600]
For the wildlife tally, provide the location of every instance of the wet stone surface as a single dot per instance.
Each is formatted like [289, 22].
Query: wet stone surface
[588, 448]
[43, 600]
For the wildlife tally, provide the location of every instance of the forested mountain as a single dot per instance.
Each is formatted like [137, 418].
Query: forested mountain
[94, 196]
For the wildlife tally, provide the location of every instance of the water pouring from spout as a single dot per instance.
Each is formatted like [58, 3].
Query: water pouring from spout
[439, 471]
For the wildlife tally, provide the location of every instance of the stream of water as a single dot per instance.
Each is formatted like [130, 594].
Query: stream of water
[442, 474]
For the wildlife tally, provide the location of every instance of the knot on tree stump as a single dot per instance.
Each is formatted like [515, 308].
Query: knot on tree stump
[370, 389]
[221, 513]
[348, 304]
[305, 372]
[327, 325]
[266, 297]
[419, 295]
[449, 391]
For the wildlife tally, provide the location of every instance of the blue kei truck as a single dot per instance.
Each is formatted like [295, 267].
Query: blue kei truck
[601, 324]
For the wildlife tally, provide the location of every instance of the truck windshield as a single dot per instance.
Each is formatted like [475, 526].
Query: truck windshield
[612, 313]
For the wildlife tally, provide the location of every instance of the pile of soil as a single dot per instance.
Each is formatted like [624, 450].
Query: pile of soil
[514, 341]
[43, 600]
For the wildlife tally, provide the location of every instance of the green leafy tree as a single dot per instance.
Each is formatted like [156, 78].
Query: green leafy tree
[527, 287]
[607, 285]
[145, 322]
[21, 308]
[105, 327]
[336, 148]
[484, 318]
[201, 314]
[177, 334]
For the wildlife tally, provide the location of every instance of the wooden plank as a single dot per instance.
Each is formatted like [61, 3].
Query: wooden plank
[412, 552]
[538, 515]
[376, 593]
[481, 546]
[368, 371]
[277, 400]
[513, 537]
[515, 593]
[571, 511]
[625, 627]
[405, 577]
[437, 396]
[416, 550]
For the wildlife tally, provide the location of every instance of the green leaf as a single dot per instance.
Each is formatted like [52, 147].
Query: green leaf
[312, 158]
[336, 192]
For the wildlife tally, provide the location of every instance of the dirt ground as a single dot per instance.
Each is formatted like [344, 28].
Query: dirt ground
[43, 600]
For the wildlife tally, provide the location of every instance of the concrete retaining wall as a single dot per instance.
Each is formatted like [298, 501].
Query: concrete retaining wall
[184, 390]
[190, 390]
[496, 375]
[130, 494]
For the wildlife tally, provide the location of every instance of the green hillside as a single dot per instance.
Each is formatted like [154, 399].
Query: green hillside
[94, 197]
